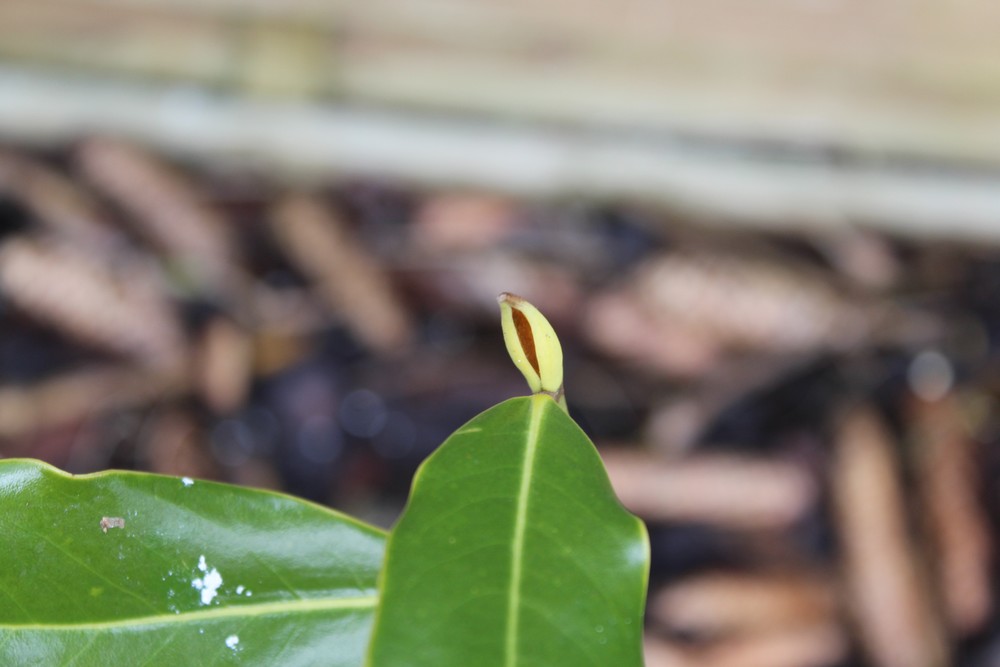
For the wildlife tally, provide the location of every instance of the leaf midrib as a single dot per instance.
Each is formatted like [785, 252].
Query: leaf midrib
[520, 524]
[237, 611]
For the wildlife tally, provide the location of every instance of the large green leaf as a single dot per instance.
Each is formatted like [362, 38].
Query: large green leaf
[200, 574]
[513, 551]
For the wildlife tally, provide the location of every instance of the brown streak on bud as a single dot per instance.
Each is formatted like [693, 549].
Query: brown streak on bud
[524, 334]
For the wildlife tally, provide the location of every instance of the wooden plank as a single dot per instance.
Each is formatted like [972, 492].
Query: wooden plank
[717, 181]
[919, 78]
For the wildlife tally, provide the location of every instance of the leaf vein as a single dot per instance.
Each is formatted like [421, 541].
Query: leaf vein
[100, 575]
[520, 526]
[163, 645]
[83, 649]
[235, 611]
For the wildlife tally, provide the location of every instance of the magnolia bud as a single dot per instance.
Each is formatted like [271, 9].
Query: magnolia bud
[533, 346]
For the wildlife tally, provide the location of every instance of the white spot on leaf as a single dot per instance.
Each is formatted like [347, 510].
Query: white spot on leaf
[209, 584]
[187, 481]
[232, 641]
[112, 522]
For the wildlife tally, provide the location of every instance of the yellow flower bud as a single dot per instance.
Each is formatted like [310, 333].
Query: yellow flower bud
[533, 346]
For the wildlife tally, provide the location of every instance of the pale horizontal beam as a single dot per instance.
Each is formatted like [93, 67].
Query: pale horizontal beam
[731, 183]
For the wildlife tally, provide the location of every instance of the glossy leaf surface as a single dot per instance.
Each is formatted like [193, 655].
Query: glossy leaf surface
[513, 551]
[187, 573]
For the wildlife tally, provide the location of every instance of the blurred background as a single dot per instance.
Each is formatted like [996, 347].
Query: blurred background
[262, 243]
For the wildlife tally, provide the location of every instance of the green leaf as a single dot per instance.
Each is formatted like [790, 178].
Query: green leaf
[513, 551]
[199, 574]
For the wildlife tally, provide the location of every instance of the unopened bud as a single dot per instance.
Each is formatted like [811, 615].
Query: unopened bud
[533, 346]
